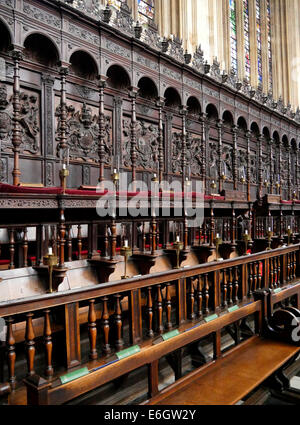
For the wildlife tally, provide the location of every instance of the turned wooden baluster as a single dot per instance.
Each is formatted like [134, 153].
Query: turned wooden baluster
[279, 271]
[11, 249]
[255, 277]
[295, 265]
[11, 353]
[191, 299]
[25, 247]
[105, 326]
[236, 284]
[288, 267]
[48, 343]
[275, 272]
[62, 241]
[225, 288]
[259, 280]
[149, 312]
[168, 306]
[206, 293]
[30, 344]
[113, 238]
[157, 235]
[118, 322]
[250, 292]
[69, 243]
[230, 287]
[271, 263]
[159, 309]
[153, 235]
[199, 297]
[79, 242]
[16, 129]
[92, 330]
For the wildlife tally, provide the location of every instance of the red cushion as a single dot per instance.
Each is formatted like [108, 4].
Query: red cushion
[4, 262]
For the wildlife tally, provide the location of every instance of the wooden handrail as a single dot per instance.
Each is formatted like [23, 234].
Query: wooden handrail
[83, 294]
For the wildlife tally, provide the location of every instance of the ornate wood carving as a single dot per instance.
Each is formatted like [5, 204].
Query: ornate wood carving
[146, 147]
[82, 134]
[28, 126]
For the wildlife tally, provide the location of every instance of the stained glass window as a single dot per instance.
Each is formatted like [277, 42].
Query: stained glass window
[146, 10]
[269, 44]
[233, 35]
[258, 39]
[247, 39]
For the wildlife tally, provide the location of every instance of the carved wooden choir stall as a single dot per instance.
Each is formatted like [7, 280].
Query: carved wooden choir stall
[87, 97]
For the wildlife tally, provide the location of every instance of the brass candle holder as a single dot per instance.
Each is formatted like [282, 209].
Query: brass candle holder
[178, 247]
[126, 252]
[270, 235]
[115, 178]
[218, 241]
[213, 185]
[223, 177]
[51, 261]
[243, 180]
[63, 174]
[266, 184]
[155, 178]
[246, 238]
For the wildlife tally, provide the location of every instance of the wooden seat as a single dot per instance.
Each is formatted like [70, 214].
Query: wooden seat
[231, 378]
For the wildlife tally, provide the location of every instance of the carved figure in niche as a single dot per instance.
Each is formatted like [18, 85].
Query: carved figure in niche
[242, 164]
[284, 167]
[266, 167]
[29, 120]
[83, 133]
[146, 144]
[5, 120]
[253, 169]
[194, 155]
[213, 161]
[226, 161]
[176, 152]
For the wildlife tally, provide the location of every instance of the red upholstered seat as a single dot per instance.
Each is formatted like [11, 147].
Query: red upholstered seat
[4, 262]
[7, 188]
[287, 202]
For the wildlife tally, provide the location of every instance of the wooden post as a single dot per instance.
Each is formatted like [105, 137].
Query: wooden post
[72, 335]
[183, 146]
[160, 104]
[135, 311]
[153, 378]
[132, 94]
[101, 129]
[248, 137]
[16, 135]
[37, 391]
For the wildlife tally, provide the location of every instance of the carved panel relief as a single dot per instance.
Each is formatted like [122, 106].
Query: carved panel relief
[176, 152]
[29, 120]
[253, 168]
[3, 170]
[195, 154]
[242, 163]
[226, 161]
[146, 144]
[213, 160]
[83, 132]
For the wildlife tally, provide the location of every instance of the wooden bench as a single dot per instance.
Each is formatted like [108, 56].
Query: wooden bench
[231, 378]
